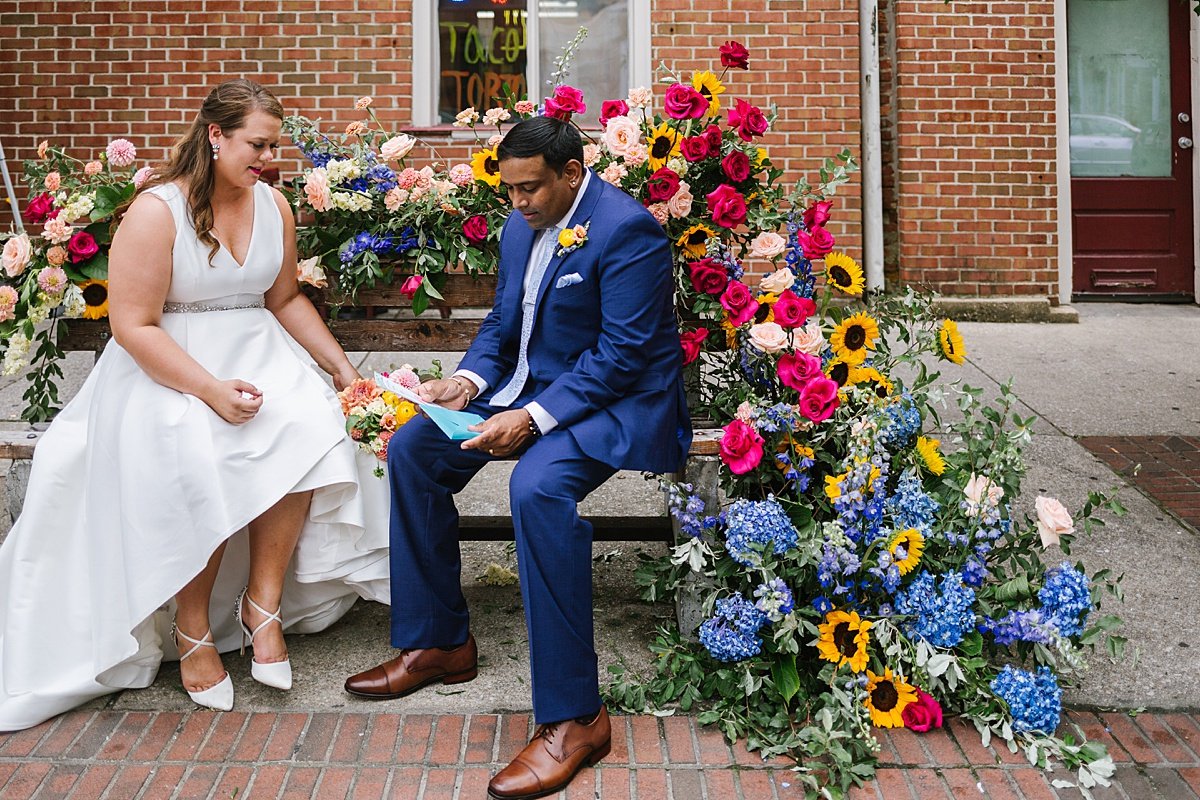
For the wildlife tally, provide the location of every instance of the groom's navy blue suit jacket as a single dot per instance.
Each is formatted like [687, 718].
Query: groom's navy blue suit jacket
[604, 354]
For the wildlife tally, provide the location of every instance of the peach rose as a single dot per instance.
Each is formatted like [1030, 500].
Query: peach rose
[980, 490]
[309, 271]
[769, 337]
[53, 181]
[809, 339]
[621, 135]
[397, 147]
[778, 281]
[1052, 520]
[16, 255]
[680, 204]
[768, 244]
[316, 190]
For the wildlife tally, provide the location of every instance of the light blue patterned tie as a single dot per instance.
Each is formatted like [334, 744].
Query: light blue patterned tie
[505, 397]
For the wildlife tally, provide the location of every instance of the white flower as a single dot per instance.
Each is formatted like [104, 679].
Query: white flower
[678, 165]
[73, 303]
[342, 170]
[78, 207]
[495, 116]
[351, 201]
[467, 117]
[641, 97]
[15, 355]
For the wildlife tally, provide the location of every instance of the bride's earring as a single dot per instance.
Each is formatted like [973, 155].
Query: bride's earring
[216, 148]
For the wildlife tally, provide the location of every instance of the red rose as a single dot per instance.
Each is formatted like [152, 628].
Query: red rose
[819, 399]
[476, 229]
[691, 343]
[567, 100]
[792, 311]
[708, 276]
[695, 148]
[612, 108]
[82, 247]
[816, 242]
[410, 286]
[747, 119]
[797, 369]
[739, 301]
[39, 209]
[922, 715]
[818, 215]
[736, 166]
[662, 185]
[684, 102]
[741, 447]
[734, 55]
[726, 206]
[712, 135]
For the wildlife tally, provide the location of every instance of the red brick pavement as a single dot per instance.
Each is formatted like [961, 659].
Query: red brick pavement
[1169, 470]
[141, 755]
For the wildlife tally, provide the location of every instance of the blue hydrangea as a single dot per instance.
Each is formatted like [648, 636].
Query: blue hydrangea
[1066, 599]
[939, 611]
[774, 599]
[732, 634]
[1018, 626]
[911, 507]
[757, 522]
[903, 426]
[1033, 698]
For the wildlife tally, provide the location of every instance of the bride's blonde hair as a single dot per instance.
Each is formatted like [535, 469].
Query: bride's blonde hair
[191, 161]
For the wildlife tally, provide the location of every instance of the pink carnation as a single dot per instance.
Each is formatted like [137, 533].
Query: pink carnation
[660, 212]
[57, 230]
[121, 153]
[92, 168]
[407, 178]
[524, 107]
[53, 181]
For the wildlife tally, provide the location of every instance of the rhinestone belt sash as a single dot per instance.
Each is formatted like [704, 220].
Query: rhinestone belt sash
[200, 308]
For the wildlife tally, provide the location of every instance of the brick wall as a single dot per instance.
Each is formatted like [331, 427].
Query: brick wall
[968, 109]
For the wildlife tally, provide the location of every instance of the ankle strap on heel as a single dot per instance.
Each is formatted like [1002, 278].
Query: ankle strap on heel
[204, 641]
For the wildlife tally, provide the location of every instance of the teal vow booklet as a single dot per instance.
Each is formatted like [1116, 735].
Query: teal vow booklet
[453, 423]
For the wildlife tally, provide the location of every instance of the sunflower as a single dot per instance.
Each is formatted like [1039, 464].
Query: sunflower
[838, 370]
[853, 337]
[952, 342]
[887, 697]
[932, 459]
[95, 298]
[694, 241]
[844, 274]
[871, 377]
[844, 639]
[914, 545]
[663, 145]
[731, 332]
[709, 85]
[759, 158]
[485, 167]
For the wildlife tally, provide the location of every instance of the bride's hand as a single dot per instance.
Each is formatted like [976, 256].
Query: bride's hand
[344, 378]
[235, 401]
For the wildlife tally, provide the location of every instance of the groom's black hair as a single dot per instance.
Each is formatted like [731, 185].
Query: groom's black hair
[556, 141]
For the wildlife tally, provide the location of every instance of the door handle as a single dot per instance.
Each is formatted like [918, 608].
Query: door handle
[1184, 143]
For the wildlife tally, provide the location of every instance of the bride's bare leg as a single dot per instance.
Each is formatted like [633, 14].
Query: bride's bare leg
[273, 537]
[204, 669]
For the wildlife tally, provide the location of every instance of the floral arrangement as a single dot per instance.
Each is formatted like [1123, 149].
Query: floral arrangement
[61, 270]
[373, 415]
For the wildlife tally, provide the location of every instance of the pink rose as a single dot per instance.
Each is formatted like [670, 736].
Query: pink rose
[819, 399]
[621, 135]
[612, 108]
[769, 244]
[1053, 520]
[816, 242]
[82, 247]
[476, 229]
[747, 119]
[922, 715]
[684, 102]
[680, 204]
[708, 276]
[733, 54]
[691, 343]
[769, 337]
[567, 100]
[662, 185]
[39, 209]
[397, 147]
[694, 148]
[17, 252]
[739, 301]
[736, 166]
[727, 207]
[817, 215]
[712, 135]
[741, 447]
[792, 311]
[410, 285]
[797, 369]
[316, 190]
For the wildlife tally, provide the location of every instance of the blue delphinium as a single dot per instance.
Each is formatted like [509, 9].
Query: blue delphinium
[381, 244]
[796, 261]
[837, 562]
[904, 425]
[732, 634]
[1034, 698]
[940, 612]
[757, 522]
[689, 510]
[911, 507]
[774, 599]
[1018, 626]
[1066, 599]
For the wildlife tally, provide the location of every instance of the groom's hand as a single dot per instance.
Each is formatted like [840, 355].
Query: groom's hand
[444, 392]
[502, 434]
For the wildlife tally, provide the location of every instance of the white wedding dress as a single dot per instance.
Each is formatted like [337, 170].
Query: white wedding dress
[135, 485]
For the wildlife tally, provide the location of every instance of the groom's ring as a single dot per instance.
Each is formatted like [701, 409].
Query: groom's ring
[491, 452]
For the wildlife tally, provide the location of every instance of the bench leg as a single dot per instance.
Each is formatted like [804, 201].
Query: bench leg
[16, 479]
[704, 474]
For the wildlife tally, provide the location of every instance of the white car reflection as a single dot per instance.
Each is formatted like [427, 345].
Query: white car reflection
[1101, 144]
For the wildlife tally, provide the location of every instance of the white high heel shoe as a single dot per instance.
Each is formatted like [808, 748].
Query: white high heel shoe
[277, 674]
[219, 697]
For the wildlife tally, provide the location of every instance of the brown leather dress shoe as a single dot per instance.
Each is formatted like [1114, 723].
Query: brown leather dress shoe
[413, 669]
[552, 758]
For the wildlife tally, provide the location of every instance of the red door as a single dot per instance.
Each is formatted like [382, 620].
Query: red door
[1131, 148]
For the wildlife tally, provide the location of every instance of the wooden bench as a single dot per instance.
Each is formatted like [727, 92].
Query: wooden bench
[438, 330]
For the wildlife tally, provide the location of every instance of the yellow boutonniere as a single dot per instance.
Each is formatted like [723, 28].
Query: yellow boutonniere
[571, 239]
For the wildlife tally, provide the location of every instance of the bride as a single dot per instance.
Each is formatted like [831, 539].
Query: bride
[203, 469]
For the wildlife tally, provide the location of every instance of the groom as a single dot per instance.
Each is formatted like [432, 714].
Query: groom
[577, 369]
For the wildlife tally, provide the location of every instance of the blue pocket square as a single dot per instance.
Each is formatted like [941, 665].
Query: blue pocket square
[568, 280]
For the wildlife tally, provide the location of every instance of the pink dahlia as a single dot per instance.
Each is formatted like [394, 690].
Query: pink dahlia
[121, 153]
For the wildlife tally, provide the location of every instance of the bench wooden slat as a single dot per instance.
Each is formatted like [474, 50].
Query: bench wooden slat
[406, 335]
